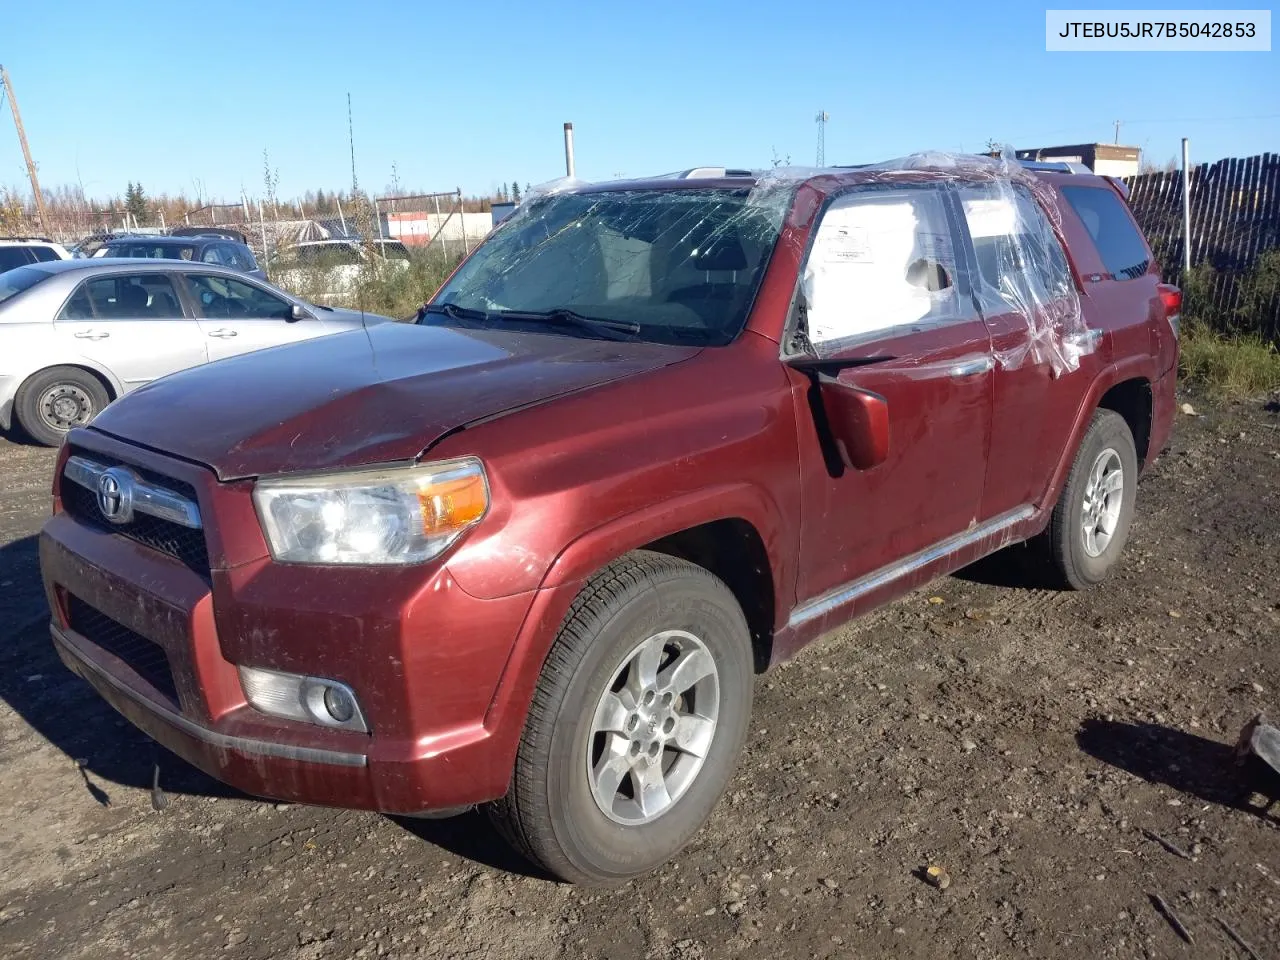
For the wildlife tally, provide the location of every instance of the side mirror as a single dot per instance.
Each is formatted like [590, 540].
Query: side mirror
[858, 420]
[298, 312]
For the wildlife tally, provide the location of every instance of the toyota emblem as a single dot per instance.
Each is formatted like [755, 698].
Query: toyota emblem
[115, 495]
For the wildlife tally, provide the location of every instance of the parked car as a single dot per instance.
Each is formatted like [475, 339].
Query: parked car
[76, 334]
[327, 271]
[205, 248]
[651, 438]
[20, 251]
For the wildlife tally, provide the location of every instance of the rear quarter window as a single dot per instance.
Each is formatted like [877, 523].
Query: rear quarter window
[1119, 244]
[14, 282]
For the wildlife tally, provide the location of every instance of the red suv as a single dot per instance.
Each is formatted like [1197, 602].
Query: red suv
[649, 439]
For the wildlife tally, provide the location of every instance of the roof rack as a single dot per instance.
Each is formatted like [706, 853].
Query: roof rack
[30, 239]
[1055, 166]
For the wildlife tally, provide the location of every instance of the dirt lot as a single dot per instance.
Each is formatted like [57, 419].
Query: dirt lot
[1025, 740]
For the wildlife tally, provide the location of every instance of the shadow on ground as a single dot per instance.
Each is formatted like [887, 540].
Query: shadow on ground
[471, 836]
[1170, 757]
[64, 709]
[1019, 567]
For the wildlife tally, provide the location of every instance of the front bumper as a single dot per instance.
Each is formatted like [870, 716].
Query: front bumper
[8, 390]
[427, 661]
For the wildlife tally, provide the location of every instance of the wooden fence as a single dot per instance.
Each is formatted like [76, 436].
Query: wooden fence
[1235, 239]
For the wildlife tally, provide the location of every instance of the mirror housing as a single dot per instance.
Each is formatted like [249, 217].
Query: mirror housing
[858, 421]
[298, 312]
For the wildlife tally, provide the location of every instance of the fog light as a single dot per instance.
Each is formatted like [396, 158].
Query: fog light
[340, 704]
[296, 697]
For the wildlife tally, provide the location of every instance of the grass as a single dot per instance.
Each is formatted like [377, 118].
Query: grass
[1238, 367]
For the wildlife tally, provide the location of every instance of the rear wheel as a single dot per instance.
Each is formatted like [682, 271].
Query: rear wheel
[53, 401]
[636, 724]
[1090, 524]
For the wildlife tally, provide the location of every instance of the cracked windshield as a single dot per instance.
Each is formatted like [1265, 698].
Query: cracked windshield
[675, 266]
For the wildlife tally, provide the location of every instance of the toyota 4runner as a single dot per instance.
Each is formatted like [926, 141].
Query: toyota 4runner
[650, 438]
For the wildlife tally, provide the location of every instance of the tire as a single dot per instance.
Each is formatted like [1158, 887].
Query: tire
[639, 604]
[1076, 559]
[53, 401]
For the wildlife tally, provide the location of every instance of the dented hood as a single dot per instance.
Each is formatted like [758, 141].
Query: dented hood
[368, 396]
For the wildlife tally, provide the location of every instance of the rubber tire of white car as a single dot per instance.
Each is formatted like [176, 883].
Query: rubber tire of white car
[549, 813]
[1070, 564]
[25, 404]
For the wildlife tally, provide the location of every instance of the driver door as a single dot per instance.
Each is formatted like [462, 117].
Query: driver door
[238, 317]
[888, 309]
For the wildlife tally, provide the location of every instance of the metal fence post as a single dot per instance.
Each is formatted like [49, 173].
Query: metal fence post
[1186, 210]
[462, 216]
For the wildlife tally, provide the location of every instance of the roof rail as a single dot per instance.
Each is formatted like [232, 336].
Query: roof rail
[1055, 166]
[29, 239]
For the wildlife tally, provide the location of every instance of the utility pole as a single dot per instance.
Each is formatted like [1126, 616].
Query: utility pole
[821, 120]
[1117, 123]
[26, 149]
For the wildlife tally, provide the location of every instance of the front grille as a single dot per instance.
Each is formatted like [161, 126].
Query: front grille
[185, 544]
[145, 657]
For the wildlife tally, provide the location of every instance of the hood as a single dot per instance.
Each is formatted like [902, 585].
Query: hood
[368, 396]
[347, 316]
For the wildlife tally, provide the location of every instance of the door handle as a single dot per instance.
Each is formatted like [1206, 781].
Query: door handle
[222, 333]
[91, 335]
[971, 368]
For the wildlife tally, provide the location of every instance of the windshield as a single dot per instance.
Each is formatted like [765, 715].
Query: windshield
[14, 282]
[681, 265]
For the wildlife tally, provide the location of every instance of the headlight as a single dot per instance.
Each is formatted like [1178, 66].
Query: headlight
[382, 516]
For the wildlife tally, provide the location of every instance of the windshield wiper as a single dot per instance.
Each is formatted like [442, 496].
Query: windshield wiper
[453, 311]
[563, 316]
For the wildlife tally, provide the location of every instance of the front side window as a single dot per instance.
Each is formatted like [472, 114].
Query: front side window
[673, 266]
[147, 296]
[881, 261]
[223, 298]
[1123, 252]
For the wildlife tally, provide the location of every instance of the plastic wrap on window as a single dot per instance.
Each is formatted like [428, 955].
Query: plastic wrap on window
[1021, 269]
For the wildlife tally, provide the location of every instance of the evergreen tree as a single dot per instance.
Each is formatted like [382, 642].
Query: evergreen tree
[515, 191]
[135, 203]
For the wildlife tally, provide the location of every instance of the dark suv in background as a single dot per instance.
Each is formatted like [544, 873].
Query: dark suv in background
[203, 248]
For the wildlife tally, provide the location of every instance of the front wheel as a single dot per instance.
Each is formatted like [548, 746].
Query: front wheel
[53, 401]
[636, 724]
[1090, 524]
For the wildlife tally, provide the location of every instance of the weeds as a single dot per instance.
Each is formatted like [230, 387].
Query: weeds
[394, 288]
[1241, 366]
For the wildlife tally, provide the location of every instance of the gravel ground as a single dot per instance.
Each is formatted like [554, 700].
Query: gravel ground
[1031, 743]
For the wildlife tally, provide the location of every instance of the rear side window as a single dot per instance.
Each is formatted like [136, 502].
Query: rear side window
[1123, 252]
[143, 297]
[11, 257]
[1018, 257]
[44, 254]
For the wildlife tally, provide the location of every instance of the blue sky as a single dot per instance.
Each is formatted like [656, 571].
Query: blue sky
[474, 94]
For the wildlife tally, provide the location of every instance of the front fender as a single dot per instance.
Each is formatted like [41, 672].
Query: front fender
[600, 546]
